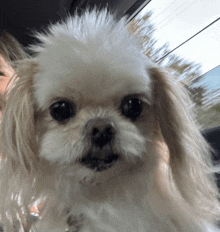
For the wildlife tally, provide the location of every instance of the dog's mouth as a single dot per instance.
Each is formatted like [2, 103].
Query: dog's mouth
[99, 161]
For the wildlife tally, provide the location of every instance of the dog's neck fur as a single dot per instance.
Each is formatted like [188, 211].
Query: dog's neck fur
[124, 216]
[125, 209]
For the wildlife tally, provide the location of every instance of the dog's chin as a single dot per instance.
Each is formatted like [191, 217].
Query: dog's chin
[112, 171]
[121, 178]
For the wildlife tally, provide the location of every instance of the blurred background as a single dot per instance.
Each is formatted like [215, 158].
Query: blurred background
[182, 35]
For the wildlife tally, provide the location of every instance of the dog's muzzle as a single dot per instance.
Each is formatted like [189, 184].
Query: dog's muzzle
[101, 134]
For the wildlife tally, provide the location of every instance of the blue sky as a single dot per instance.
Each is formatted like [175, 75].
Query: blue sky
[212, 78]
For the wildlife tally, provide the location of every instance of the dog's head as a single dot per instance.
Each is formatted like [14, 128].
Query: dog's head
[91, 100]
[88, 104]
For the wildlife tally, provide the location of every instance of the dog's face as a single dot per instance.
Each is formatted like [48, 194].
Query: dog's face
[94, 114]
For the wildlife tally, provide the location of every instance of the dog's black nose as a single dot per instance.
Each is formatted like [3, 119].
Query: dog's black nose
[102, 136]
[101, 131]
[101, 156]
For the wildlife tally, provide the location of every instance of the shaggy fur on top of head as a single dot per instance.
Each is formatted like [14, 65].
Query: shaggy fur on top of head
[80, 132]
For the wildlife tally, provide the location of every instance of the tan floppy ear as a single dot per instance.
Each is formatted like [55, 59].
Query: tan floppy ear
[18, 148]
[190, 160]
[18, 127]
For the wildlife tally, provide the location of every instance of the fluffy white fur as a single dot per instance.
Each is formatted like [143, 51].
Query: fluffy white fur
[94, 62]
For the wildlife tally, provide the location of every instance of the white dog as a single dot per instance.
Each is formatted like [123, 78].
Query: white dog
[81, 129]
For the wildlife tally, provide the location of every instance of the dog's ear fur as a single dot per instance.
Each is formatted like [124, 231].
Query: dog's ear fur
[190, 159]
[18, 138]
[18, 124]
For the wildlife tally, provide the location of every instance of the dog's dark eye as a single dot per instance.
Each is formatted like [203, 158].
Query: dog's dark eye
[62, 111]
[131, 107]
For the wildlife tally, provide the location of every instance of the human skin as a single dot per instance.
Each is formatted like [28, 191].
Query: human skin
[8, 71]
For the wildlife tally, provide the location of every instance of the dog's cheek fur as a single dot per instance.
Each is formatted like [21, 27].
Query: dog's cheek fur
[62, 145]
